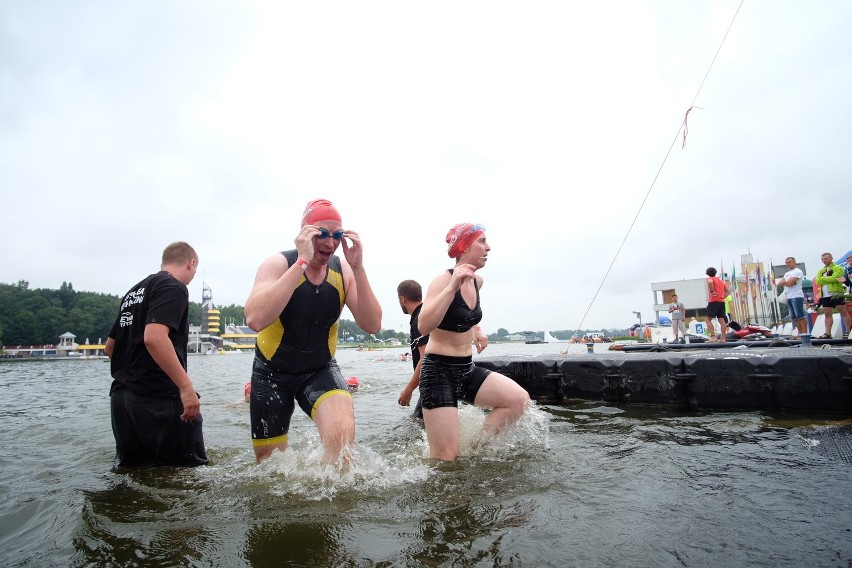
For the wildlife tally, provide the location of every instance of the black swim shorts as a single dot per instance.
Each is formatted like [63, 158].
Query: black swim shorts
[831, 301]
[274, 394]
[445, 380]
[716, 310]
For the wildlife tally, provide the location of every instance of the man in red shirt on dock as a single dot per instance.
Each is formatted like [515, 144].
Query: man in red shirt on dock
[717, 291]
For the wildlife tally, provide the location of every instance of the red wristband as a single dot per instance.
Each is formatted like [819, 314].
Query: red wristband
[302, 263]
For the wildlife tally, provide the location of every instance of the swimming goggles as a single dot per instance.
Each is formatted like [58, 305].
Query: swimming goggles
[324, 234]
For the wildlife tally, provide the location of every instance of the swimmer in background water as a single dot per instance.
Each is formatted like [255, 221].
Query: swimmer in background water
[450, 316]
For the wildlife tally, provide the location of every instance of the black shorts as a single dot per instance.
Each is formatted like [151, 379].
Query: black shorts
[831, 301]
[716, 310]
[445, 380]
[149, 432]
[274, 394]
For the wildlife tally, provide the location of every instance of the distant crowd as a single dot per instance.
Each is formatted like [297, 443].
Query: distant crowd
[832, 287]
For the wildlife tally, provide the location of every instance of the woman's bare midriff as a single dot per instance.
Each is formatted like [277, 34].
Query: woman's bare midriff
[450, 343]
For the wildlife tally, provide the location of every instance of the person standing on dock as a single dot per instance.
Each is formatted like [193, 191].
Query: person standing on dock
[792, 281]
[677, 311]
[411, 301]
[729, 306]
[849, 273]
[155, 410]
[295, 307]
[717, 290]
[830, 283]
[450, 315]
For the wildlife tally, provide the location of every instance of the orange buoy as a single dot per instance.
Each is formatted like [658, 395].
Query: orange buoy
[247, 390]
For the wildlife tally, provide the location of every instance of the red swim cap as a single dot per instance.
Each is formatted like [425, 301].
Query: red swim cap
[461, 236]
[320, 210]
[352, 383]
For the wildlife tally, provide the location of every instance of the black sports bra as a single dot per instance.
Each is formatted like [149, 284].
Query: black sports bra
[459, 317]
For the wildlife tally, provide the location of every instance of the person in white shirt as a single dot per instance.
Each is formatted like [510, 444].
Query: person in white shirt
[792, 281]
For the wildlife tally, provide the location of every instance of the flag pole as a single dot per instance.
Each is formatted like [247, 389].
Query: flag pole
[763, 299]
[775, 303]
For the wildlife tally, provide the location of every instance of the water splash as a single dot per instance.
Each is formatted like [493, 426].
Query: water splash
[531, 433]
[299, 472]
[398, 461]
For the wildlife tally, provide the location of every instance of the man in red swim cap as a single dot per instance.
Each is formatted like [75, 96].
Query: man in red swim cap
[295, 307]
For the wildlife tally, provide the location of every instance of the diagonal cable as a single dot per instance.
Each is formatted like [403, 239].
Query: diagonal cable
[660, 169]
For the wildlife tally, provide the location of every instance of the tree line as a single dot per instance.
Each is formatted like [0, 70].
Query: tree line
[39, 316]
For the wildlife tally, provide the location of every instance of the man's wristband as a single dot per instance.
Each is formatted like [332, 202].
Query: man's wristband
[302, 263]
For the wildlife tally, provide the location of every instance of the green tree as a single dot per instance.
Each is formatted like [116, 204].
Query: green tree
[81, 322]
[502, 332]
[102, 308]
[24, 329]
[348, 328]
[194, 313]
[385, 334]
[8, 293]
[66, 295]
[34, 301]
[233, 315]
[54, 322]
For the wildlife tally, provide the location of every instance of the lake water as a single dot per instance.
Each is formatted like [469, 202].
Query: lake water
[583, 485]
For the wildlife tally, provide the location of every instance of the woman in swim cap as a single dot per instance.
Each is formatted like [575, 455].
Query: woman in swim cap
[450, 315]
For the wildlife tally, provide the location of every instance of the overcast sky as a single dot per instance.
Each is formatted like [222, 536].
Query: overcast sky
[125, 126]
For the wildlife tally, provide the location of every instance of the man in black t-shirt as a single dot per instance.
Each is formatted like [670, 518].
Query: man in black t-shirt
[155, 410]
[411, 300]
